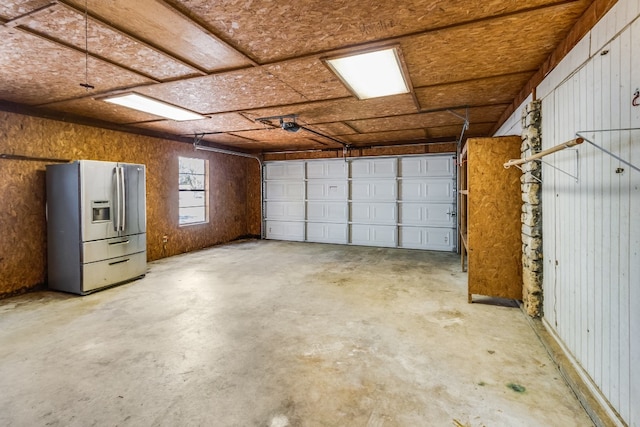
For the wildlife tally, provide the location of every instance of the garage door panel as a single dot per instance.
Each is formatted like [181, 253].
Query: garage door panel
[327, 190]
[327, 233]
[371, 190]
[427, 190]
[433, 214]
[376, 213]
[427, 238]
[284, 210]
[329, 169]
[374, 235]
[327, 211]
[430, 166]
[405, 201]
[285, 230]
[374, 168]
[284, 170]
[284, 190]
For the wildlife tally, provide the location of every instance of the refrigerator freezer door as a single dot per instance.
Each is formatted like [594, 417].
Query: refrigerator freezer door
[99, 250]
[109, 272]
[134, 191]
[98, 199]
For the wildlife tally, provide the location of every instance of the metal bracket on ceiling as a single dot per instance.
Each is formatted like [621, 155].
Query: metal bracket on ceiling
[197, 138]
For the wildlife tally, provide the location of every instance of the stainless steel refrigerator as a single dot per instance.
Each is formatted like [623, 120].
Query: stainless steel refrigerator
[96, 225]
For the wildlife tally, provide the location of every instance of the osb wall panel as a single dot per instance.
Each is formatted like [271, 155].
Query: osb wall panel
[234, 192]
[494, 205]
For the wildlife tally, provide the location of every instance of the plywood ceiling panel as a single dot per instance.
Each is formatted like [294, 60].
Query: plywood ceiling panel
[101, 110]
[271, 31]
[297, 144]
[424, 120]
[230, 140]
[153, 20]
[335, 128]
[448, 131]
[399, 135]
[35, 71]
[231, 91]
[342, 109]
[239, 60]
[486, 48]
[493, 90]
[67, 25]
[226, 122]
[309, 77]
[11, 9]
[274, 135]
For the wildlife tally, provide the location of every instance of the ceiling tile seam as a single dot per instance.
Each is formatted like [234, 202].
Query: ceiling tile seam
[142, 41]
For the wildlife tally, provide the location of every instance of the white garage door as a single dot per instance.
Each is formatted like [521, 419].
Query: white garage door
[404, 201]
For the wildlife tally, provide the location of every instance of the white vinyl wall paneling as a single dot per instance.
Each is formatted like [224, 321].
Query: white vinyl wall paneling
[591, 226]
[361, 201]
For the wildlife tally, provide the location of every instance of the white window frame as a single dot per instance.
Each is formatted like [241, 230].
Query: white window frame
[203, 179]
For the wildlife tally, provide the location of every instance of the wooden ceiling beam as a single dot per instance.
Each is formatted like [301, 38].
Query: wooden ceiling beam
[178, 10]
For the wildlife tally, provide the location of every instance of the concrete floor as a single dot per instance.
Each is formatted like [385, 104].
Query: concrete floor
[265, 333]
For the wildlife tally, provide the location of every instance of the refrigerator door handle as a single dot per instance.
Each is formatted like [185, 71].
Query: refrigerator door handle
[116, 223]
[124, 200]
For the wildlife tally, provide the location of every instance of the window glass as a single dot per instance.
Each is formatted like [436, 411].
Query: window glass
[193, 191]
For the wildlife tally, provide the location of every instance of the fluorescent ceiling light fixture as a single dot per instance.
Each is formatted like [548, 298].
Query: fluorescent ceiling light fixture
[152, 106]
[371, 74]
